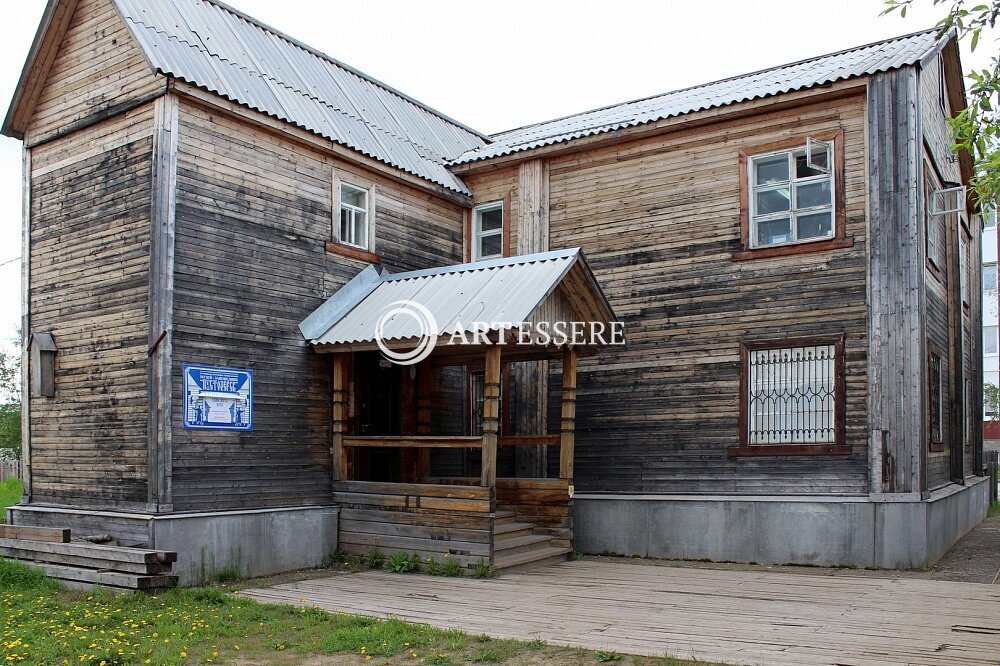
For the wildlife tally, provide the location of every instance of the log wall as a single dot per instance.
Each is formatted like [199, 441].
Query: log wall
[427, 519]
[659, 220]
[98, 70]
[254, 211]
[90, 194]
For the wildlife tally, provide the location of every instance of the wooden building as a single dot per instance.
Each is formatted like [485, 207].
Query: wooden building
[791, 252]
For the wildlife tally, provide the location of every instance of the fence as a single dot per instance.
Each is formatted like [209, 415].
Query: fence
[992, 471]
[10, 469]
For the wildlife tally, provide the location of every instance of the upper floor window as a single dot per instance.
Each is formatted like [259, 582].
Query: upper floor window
[989, 277]
[487, 231]
[989, 217]
[792, 196]
[354, 216]
[989, 339]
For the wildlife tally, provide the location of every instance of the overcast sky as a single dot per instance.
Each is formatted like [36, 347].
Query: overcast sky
[498, 65]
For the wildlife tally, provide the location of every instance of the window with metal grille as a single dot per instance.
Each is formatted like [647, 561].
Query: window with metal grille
[792, 393]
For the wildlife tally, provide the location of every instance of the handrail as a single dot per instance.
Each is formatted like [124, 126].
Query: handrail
[528, 440]
[414, 441]
[445, 441]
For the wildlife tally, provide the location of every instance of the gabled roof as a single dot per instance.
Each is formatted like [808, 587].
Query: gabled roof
[215, 47]
[505, 291]
[860, 61]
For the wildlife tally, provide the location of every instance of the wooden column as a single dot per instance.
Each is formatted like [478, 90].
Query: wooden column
[425, 388]
[491, 415]
[339, 416]
[567, 436]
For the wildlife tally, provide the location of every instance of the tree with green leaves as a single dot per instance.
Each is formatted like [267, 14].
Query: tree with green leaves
[977, 128]
[991, 399]
[10, 404]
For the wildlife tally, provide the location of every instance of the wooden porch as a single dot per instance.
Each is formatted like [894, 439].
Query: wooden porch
[507, 523]
[717, 616]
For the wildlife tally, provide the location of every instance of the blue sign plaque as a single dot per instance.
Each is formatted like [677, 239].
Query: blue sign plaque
[218, 398]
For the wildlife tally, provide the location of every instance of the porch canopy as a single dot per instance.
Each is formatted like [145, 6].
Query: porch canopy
[525, 308]
[510, 297]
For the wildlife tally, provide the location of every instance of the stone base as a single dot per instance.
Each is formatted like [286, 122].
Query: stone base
[881, 532]
[255, 542]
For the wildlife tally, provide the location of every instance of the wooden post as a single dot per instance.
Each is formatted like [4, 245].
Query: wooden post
[339, 416]
[425, 388]
[567, 437]
[491, 415]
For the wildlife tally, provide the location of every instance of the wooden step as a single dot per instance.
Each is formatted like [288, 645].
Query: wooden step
[510, 530]
[111, 579]
[109, 554]
[539, 557]
[520, 544]
[503, 517]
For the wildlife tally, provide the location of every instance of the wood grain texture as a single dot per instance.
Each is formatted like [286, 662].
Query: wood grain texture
[714, 616]
[254, 212]
[659, 220]
[90, 242]
[98, 68]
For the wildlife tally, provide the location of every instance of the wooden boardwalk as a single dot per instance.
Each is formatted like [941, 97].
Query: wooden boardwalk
[733, 617]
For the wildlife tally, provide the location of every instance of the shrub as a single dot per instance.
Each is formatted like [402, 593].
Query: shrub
[482, 570]
[449, 566]
[373, 560]
[402, 563]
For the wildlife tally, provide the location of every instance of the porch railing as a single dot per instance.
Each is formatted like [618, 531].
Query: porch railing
[446, 442]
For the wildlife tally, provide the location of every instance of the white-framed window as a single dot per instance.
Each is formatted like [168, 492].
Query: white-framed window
[487, 231]
[354, 226]
[792, 394]
[989, 217]
[990, 340]
[792, 195]
[989, 278]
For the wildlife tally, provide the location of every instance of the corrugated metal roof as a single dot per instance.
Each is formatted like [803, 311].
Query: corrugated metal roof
[860, 61]
[502, 290]
[215, 47]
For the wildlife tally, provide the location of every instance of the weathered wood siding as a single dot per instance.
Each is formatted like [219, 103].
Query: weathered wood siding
[950, 326]
[659, 221]
[89, 277]
[254, 211]
[430, 520]
[545, 503]
[98, 69]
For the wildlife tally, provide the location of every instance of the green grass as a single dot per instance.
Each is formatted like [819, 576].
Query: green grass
[994, 509]
[42, 623]
[10, 494]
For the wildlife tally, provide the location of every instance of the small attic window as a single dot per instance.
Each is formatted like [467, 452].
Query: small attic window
[43, 365]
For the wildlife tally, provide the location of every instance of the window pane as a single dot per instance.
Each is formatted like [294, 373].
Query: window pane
[772, 169]
[770, 232]
[346, 229]
[990, 218]
[772, 201]
[989, 339]
[490, 220]
[819, 158]
[792, 395]
[490, 246]
[815, 225]
[361, 229]
[352, 196]
[989, 277]
[812, 194]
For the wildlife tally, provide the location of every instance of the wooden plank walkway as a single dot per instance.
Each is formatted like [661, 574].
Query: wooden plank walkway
[732, 617]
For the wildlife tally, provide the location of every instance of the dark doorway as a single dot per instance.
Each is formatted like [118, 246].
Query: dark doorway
[377, 390]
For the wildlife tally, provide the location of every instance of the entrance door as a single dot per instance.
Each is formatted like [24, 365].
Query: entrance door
[377, 391]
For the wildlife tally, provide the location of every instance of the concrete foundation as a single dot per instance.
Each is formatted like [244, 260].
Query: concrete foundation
[255, 542]
[886, 532]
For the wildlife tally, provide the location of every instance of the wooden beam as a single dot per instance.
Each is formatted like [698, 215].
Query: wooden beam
[49, 534]
[25, 326]
[491, 415]
[339, 416]
[425, 388]
[411, 441]
[567, 436]
[162, 217]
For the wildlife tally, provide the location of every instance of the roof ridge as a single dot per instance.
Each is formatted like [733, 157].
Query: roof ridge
[499, 262]
[333, 61]
[499, 135]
